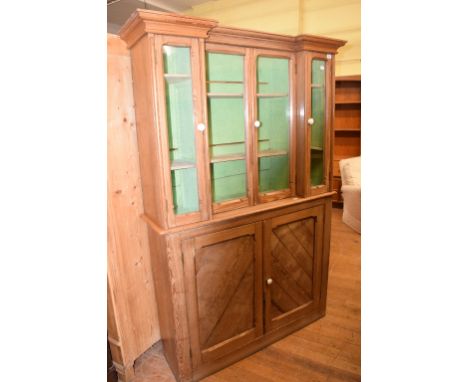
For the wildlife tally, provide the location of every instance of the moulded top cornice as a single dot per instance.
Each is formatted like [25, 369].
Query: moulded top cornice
[318, 43]
[143, 21]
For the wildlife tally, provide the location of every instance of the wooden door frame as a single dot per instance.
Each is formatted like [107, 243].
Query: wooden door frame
[248, 200]
[199, 116]
[318, 213]
[328, 131]
[291, 191]
[190, 247]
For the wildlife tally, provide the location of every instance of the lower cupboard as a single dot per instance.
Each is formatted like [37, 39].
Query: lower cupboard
[229, 287]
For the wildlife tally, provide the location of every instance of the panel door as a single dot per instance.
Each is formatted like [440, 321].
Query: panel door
[223, 278]
[272, 127]
[293, 250]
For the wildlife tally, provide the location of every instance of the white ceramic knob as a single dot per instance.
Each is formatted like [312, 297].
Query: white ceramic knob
[269, 281]
[329, 56]
[310, 121]
[201, 127]
[257, 124]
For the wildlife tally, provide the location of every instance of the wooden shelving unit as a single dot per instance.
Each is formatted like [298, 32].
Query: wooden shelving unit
[347, 127]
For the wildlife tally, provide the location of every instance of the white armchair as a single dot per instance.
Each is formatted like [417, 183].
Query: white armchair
[350, 169]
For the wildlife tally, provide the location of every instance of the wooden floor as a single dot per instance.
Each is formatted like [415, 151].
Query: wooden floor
[328, 350]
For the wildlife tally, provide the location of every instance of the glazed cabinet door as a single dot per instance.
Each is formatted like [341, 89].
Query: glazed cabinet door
[227, 120]
[223, 280]
[273, 133]
[319, 118]
[293, 251]
[178, 64]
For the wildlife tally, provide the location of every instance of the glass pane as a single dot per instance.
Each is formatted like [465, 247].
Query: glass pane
[317, 136]
[226, 132]
[273, 109]
[181, 131]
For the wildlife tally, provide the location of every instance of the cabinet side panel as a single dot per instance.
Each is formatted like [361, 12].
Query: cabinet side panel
[149, 143]
[326, 255]
[169, 286]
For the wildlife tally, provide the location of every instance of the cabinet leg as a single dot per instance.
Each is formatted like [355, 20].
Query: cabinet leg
[125, 373]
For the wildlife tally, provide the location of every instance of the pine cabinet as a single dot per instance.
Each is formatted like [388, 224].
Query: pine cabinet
[234, 135]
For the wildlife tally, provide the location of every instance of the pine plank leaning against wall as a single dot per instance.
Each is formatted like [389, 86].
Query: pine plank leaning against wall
[132, 312]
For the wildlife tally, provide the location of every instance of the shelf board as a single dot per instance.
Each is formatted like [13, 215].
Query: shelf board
[271, 153]
[227, 143]
[181, 164]
[225, 95]
[226, 158]
[224, 82]
[272, 95]
[316, 85]
[316, 148]
[353, 78]
[358, 102]
[177, 77]
[353, 130]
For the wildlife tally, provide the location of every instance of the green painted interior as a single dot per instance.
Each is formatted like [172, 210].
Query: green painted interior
[273, 173]
[272, 75]
[230, 180]
[181, 131]
[274, 115]
[318, 128]
[226, 125]
[176, 60]
[184, 190]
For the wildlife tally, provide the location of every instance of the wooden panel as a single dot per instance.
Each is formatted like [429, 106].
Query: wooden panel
[133, 324]
[225, 286]
[172, 309]
[222, 276]
[348, 92]
[347, 146]
[293, 248]
[292, 254]
[337, 188]
[347, 117]
[155, 180]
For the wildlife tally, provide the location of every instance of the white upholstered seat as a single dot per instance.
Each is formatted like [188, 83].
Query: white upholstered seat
[350, 169]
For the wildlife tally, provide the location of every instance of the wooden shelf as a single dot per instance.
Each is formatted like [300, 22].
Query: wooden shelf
[351, 102]
[172, 78]
[181, 164]
[348, 130]
[271, 153]
[224, 82]
[316, 148]
[272, 95]
[354, 78]
[226, 158]
[227, 143]
[225, 95]
[316, 85]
